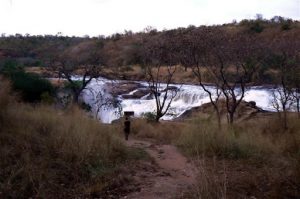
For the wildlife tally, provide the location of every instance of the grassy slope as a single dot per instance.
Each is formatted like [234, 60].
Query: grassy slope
[256, 157]
[49, 153]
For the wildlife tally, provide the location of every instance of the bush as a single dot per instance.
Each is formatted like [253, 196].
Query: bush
[47, 98]
[37, 63]
[149, 116]
[256, 27]
[30, 86]
[286, 25]
[76, 85]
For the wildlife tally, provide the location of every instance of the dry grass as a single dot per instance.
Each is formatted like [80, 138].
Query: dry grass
[46, 153]
[252, 138]
[226, 178]
[212, 183]
[138, 73]
[5, 101]
[49, 153]
[252, 158]
[163, 132]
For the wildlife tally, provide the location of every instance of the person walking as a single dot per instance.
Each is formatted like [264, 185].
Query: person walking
[126, 128]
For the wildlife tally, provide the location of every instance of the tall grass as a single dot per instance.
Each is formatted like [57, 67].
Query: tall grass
[257, 156]
[259, 146]
[47, 153]
[163, 132]
[210, 185]
[253, 138]
[5, 99]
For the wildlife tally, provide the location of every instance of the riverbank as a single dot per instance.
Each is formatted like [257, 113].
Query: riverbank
[52, 153]
[137, 73]
[64, 154]
[254, 158]
[135, 95]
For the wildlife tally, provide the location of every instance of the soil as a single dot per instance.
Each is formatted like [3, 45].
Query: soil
[169, 175]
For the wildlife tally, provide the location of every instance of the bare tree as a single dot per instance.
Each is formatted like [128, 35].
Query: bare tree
[282, 101]
[296, 96]
[283, 59]
[160, 55]
[232, 60]
[296, 85]
[84, 60]
[193, 53]
[214, 95]
[161, 89]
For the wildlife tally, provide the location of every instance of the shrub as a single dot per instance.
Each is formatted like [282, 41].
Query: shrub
[149, 116]
[256, 27]
[76, 85]
[31, 86]
[37, 63]
[47, 98]
[287, 25]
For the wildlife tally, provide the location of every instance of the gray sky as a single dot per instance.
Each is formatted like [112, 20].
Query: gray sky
[104, 17]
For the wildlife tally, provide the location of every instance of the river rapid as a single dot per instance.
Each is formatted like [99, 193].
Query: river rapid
[101, 96]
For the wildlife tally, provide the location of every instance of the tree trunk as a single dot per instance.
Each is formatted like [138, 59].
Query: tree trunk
[285, 125]
[231, 115]
[158, 116]
[218, 117]
[76, 97]
[298, 108]
[157, 119]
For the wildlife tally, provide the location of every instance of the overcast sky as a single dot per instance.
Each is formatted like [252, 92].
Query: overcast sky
[104, 17]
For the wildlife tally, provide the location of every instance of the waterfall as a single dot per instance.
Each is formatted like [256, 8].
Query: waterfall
[188, 96]
[98, 96]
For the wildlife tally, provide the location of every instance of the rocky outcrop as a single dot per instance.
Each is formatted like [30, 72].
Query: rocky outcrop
[245, 111]
[121, 88]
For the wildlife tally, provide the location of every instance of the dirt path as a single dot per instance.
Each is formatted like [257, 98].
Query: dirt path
[169, 175]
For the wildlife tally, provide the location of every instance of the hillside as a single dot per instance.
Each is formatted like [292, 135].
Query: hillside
[54, 142]
[119, 53]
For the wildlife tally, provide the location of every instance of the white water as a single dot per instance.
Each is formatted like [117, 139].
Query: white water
[188, 96]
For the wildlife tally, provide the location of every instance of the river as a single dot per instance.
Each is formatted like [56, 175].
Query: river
[99, 96]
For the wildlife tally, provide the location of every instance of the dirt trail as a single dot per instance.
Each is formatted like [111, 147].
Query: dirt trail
[169, 176]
